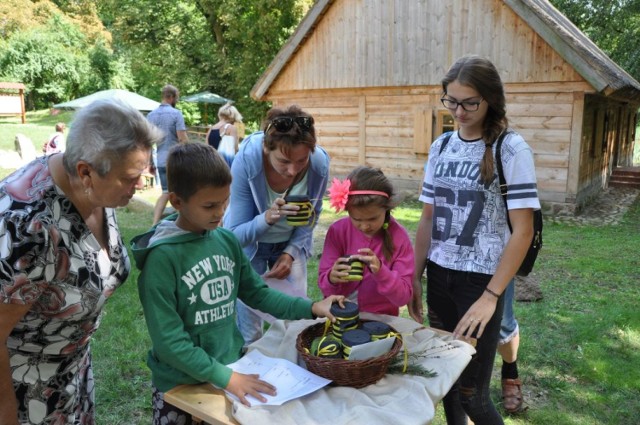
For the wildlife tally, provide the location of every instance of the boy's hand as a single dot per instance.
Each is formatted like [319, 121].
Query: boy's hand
[323, 308]
[242, 385]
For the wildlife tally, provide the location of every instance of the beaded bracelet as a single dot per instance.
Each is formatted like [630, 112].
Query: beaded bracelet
[492, 293]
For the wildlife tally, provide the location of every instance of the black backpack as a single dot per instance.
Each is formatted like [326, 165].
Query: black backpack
[536, 241]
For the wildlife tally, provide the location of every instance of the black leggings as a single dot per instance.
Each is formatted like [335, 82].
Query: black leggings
[450, 294]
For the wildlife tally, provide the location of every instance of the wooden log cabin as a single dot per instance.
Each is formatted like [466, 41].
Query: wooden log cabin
[369, 71]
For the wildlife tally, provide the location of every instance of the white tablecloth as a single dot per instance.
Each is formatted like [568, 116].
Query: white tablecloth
[395, 399]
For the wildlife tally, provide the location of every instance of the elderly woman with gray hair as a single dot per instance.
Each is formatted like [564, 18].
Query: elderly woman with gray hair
[61, 257]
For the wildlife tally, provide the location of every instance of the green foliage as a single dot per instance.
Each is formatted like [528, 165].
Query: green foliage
[109, 71]
[49, 67]
[165, 41]
[613, 25]
[254, 31]
[221, 46]
[190, 111]
[57, 62]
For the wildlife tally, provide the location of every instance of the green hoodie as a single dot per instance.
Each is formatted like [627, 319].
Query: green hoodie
[188, 287]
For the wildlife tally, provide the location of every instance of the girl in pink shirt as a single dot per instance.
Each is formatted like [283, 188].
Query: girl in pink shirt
[371, 236]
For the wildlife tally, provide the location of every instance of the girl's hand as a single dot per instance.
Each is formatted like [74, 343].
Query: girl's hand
[273, 214]
[476, 318]
[242, 385]
[415, 305]
[279, 209]
[323, 308]
[367, 256]
[339, 271]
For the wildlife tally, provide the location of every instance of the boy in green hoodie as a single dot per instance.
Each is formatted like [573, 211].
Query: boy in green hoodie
[192, 272]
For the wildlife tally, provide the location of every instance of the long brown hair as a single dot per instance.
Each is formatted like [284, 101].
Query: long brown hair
[481, 75]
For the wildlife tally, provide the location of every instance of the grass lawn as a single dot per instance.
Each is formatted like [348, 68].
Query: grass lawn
[580, 345]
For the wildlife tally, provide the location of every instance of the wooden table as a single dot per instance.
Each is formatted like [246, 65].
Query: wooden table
[202, 401]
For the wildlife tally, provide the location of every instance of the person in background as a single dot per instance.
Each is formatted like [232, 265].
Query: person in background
[56, 142]
[223, 135]
[171, 122]
[61, 258]
[284, 159]
[192, 272]
[463, 238]
[371, 236]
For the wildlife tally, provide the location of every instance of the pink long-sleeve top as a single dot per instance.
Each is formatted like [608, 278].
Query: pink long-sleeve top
[383, 292]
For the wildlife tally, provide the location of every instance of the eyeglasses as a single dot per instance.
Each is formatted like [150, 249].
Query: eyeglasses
[284, 124]
[466, 105]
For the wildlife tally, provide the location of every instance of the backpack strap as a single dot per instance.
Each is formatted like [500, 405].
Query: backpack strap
[445, 141]
[503, 182]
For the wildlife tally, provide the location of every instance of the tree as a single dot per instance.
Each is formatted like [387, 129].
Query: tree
[58, 52]
[249, 34]
[217, 45]
[166, 41]
[613, 25]
[48, 66]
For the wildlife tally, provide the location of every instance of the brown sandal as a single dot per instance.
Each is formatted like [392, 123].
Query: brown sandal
[512, 395]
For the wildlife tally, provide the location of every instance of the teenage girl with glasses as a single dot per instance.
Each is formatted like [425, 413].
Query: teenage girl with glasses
[463, 239]
[371, 236]
[282, 160]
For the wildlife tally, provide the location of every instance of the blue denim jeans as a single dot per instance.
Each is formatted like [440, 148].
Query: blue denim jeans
[162, 173]
[450, 294]
[509, 326]
[250, 322]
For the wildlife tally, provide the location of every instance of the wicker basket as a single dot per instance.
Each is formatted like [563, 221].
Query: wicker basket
[350, 373]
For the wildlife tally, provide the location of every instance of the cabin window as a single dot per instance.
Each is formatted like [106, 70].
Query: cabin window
[429, 126]
[444, 123]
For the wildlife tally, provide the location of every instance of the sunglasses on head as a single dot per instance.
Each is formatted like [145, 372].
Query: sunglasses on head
[284, 124]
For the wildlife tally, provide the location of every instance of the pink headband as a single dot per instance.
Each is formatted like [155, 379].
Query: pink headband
[368, 192]
[339, 193]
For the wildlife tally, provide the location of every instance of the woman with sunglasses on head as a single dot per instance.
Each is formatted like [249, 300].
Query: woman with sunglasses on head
[282, 160]
[463, 238]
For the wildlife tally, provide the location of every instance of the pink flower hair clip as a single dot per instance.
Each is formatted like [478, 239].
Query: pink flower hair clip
[339, 194]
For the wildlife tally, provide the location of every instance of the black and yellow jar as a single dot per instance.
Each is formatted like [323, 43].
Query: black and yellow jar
[347, 318]
[353, 337]
[377, 330]
[356, 272]
[327, 346]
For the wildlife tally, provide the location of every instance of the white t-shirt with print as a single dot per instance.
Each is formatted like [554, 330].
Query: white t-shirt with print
[470, 227]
